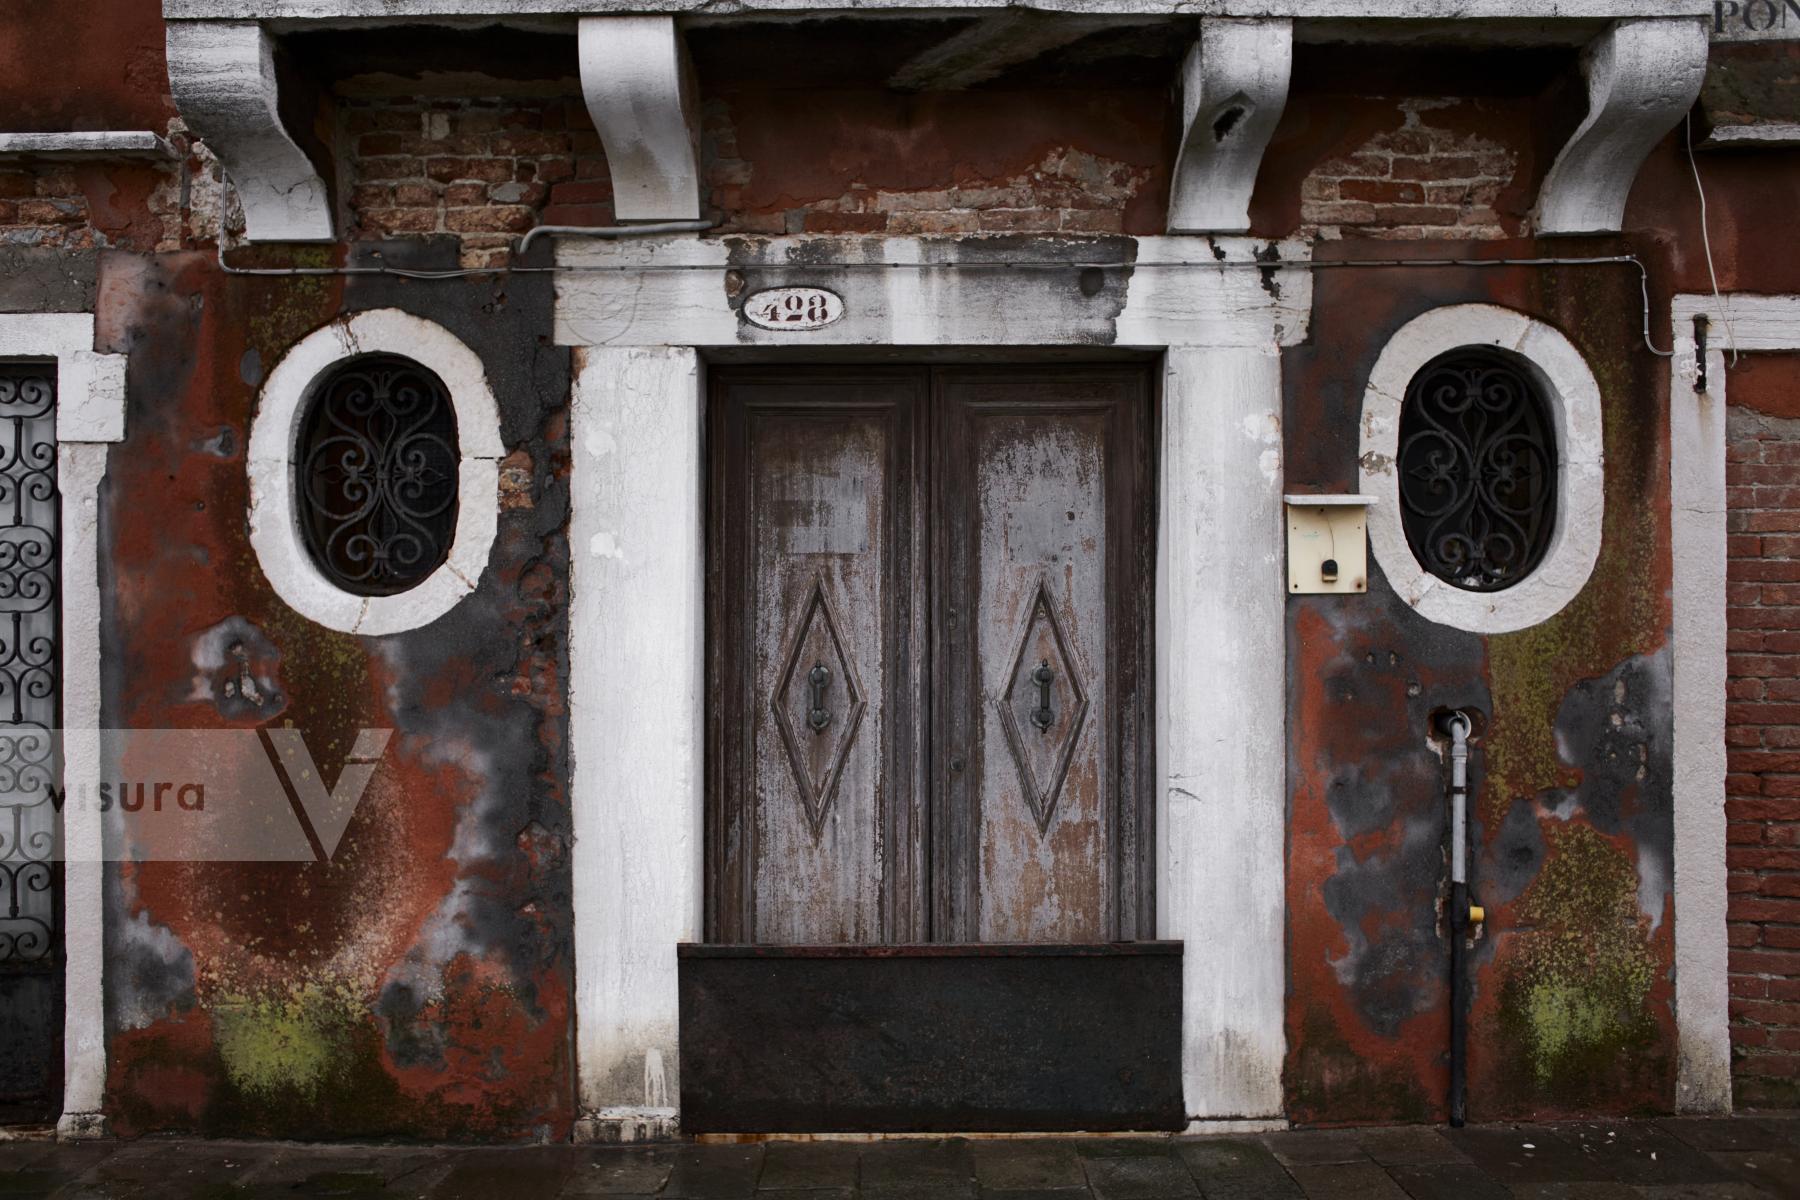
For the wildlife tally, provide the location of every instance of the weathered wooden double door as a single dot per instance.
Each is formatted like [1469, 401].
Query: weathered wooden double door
[930, 655]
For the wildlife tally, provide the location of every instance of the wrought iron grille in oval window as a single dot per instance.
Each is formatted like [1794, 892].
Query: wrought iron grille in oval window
[377, 475]
[1477, 470]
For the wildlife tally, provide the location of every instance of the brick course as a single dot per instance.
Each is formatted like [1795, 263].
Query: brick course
[487, 170]
[1762, 713]
[483, 170]
[1422, 180]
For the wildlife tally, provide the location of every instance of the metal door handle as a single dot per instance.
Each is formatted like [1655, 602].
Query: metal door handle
[819, 677]
[1041, 716]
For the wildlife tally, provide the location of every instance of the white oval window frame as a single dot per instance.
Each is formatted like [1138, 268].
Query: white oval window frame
[274, 511]
[1573, 398]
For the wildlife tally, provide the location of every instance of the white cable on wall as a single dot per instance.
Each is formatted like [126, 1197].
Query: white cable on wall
[1706, 242]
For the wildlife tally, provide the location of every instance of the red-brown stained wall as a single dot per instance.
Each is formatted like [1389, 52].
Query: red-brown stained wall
[1570, 808]
[83, 66]
[419, 982]
[1572, 854]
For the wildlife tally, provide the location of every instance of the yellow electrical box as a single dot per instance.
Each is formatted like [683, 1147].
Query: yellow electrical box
[1328, 543]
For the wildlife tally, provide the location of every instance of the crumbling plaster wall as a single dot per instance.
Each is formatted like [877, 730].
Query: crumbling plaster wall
[418, 983]
[1571, 818]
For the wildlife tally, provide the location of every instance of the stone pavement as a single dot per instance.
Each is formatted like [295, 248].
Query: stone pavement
[1741, 1158]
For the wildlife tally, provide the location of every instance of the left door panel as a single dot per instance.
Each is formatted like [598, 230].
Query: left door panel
[817, 658]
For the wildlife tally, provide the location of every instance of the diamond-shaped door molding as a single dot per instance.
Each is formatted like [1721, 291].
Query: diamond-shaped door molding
[1040, 735]
[818, 705]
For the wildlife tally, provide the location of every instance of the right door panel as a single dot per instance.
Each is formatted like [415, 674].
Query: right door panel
[1044, 542]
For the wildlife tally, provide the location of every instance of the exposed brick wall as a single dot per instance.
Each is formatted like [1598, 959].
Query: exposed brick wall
[1065, 189]
[1432, 177]
[485, 170]
[1762, 804]
[488, 170]
[148, 207]
[43, 208]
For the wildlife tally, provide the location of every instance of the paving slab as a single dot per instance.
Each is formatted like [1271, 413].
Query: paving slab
[176, 1170]
[1523, 1154]
[1447, 1181]
[1347, 1181]
[1140, 1177]
[1236, 1169]
[795, 1166]
[939, 1189]
[485, 1174]
[1592, 1189]
[1122, 1147]
[939, 1160]
[1785, 1126]
[619, 1171]
[1723, 1133]
[1734, 1190]
[312, 1171]
[713, 1172]
[1408, 1145]
[1013, 1166]
[1642, 1152]
[1776, 1172]
[1317, 1147]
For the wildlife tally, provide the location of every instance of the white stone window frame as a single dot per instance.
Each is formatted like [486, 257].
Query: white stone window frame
[275, 529]
[1572, 397]
[90, 416]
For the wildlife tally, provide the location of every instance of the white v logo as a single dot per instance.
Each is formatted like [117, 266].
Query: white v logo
[328, 812]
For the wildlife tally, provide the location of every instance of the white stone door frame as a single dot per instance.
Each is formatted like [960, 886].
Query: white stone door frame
[90, 414]
[1697, 444]
[644, 315]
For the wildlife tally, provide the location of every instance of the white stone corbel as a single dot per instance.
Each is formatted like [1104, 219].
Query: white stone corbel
[222, 74]
[1642, 76]
[1234, 85]
[639, 88]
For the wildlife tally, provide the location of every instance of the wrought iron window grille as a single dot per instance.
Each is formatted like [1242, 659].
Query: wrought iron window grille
[377, 465]
[30, 669]
[1477, 469]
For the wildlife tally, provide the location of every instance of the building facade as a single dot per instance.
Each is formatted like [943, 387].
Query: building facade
[729, 569]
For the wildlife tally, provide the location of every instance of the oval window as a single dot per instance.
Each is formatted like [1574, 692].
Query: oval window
[1477, 469]
[377, 467]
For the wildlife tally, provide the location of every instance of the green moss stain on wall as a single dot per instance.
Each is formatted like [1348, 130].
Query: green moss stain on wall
[1623, 610]
[283, 1046]
[1574, 1008]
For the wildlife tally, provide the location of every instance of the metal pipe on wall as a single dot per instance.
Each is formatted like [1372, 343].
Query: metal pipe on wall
[1458, 725]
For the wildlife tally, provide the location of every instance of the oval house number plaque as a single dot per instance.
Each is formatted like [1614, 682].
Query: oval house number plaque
[794, 308]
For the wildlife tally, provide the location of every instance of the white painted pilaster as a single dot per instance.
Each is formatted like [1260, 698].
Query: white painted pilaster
[90, 413]
[1222, 723]
[636, 669]
[1697, 442]
[81, 467]
[1697, 535]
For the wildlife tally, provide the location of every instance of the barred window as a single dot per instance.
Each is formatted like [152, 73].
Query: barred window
[376, 467]
[1477, 469]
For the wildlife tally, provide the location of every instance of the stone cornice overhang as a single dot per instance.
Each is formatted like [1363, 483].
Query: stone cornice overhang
[1642, 61]
[1396, 10]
